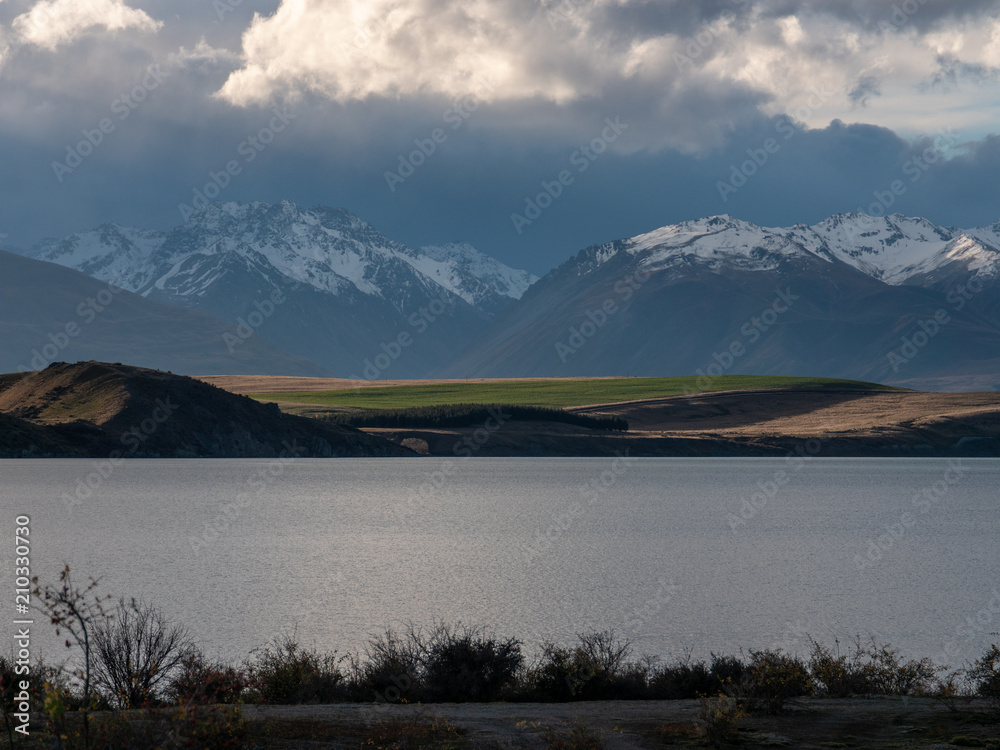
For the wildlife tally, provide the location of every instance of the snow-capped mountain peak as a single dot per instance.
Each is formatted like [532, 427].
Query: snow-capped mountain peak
[716, 240]
[474, 276]
[892, 248]
[328, 249]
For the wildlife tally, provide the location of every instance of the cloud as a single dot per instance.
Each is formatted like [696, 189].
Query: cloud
[53, 23]
[4, 45]
[741, 57]
[353, 49]
[202, 57]
[866, 89]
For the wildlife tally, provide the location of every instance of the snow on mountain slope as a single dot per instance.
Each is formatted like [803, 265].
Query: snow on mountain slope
[110, 253]
[472, 275]
[892, 249]
[886, 248]
[717, 240]
[328, 249]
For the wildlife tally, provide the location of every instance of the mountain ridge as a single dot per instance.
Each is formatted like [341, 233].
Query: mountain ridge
[330, 249]
[347, 291]
[671, 301]
[684, 299]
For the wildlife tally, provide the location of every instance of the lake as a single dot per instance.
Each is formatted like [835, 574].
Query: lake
[674, 554]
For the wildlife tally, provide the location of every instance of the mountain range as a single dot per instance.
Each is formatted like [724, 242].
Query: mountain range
[321, 283]
[891, 299]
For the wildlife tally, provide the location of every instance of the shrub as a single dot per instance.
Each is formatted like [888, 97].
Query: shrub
[10, 682]
[772, 679]
[684, 680]
[469, 665]
[726, 670]
[557, 675]
[136, 652]
[719, 718]
[597, 668]
[470, 415]
[839, 675]
[985, 675]
[415, 734]
[889, 675]
[217, 727]
[284, 673]
[579, 737]
[391, 671]
[198, 682]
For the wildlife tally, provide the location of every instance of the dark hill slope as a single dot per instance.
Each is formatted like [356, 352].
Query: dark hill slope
[39, 300]
[95, 409]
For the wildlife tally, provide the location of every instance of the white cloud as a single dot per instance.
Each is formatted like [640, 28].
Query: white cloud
[354, 49]
[52, 23]
[202, 57]
[4, 45]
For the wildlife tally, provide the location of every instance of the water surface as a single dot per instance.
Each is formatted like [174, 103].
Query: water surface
[335, 550]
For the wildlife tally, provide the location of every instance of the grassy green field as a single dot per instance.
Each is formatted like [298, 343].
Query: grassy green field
[552, 393]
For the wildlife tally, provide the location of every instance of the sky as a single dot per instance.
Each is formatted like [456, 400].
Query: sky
[529, 128]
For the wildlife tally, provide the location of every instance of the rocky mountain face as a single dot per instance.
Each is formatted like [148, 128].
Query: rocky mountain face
[320, 283]
[890, 299]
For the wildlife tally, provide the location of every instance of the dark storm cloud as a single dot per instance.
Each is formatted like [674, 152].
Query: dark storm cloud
[682, 17]
[688, 127]
[866, 89]
[920, 14]
[469, 190]
[951, 73]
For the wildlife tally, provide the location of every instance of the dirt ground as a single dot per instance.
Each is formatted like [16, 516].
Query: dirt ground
[627, 725]
[804, 413]
[751, 423]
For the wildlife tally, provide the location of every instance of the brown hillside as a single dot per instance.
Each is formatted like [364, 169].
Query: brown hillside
[95, 409]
